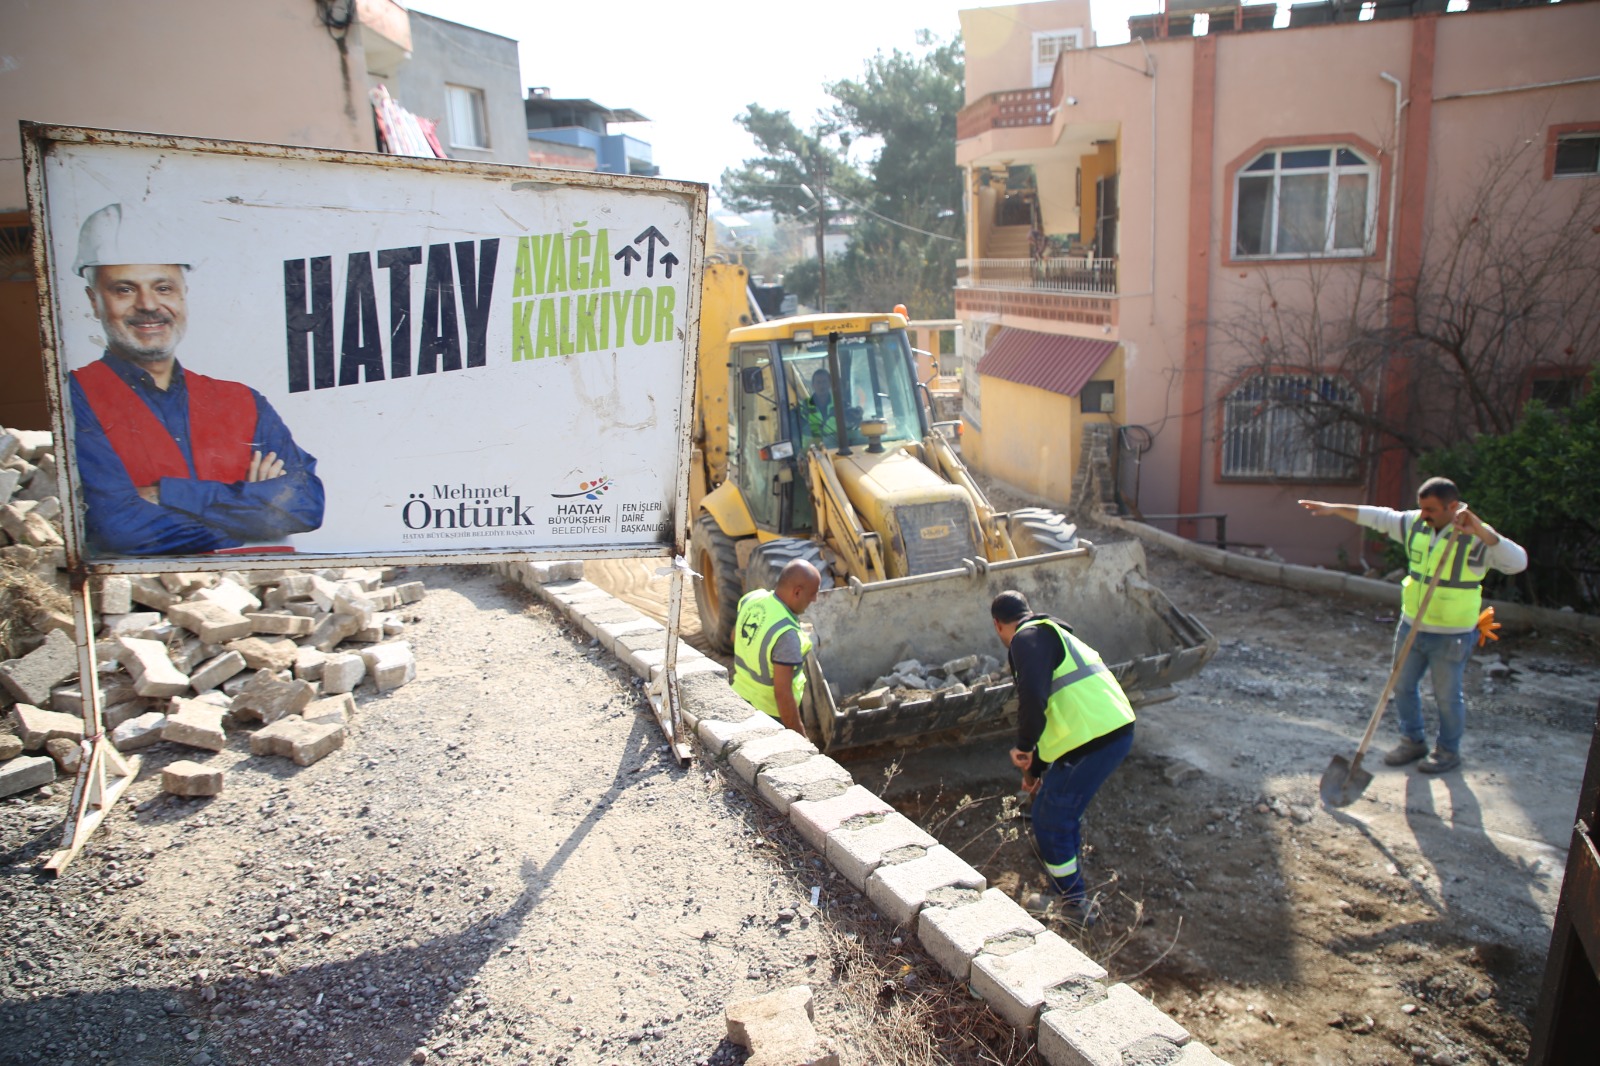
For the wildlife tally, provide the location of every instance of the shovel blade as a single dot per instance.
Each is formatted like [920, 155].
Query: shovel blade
[1342, 784]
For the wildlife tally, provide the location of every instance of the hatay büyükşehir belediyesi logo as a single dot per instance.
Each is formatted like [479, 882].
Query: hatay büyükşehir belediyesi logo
[588, 490]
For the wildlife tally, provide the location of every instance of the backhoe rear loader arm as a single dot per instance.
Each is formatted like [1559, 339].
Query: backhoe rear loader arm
[996, 533]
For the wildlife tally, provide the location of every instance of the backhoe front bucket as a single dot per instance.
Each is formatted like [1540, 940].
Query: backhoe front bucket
[861, 631]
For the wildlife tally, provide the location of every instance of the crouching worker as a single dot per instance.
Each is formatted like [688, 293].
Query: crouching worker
[769, 645]
[1074, 727]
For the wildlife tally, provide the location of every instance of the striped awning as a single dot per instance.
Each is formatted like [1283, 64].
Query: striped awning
[1044, 360]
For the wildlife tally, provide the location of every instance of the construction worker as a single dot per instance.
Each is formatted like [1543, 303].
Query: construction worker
[1445, 633]
[1074, 727]
[769, 644]
[172, 461]
[819, 407]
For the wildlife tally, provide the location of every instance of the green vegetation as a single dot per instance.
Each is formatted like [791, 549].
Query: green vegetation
[905, 203]
[1539, 484]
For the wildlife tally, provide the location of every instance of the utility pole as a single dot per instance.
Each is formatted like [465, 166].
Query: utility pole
[822, 259]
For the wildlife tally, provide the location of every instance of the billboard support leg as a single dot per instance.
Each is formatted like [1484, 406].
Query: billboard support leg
[103, 774]
[664, 700]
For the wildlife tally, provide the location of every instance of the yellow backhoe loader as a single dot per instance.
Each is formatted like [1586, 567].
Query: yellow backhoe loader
[814, 440]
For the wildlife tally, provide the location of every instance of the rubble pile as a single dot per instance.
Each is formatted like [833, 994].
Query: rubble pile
[184, 658]
[912, 679]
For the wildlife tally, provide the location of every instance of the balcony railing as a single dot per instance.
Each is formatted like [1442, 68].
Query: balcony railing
[1014, 107]
[1072, 276]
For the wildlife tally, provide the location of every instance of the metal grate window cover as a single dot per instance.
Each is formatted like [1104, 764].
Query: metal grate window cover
[1292, 426]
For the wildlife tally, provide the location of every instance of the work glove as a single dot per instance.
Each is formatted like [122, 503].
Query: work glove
[1487, 626]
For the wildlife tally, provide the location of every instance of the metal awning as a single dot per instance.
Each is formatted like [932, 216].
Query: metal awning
[1046, 361]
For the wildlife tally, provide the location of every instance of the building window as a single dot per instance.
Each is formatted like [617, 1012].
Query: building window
[1577, 154]
[1047, 48]
[1291, 427]
[1295, 202]
[469, 127]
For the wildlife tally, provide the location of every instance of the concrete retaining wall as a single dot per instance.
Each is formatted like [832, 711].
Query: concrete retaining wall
[1315, 579]
[1030, 976]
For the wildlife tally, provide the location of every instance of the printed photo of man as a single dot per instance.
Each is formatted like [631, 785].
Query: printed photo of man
[172, 462]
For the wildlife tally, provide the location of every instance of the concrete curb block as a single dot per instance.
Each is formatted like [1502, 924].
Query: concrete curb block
[1316, 579]
[1028, 975]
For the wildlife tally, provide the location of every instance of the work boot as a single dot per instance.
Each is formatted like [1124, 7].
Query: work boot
[1407, 750]
[1083, 913]
[1440, 762]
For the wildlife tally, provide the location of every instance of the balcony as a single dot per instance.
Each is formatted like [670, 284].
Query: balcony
[1080, 276]
[1004, 110]
[1076, 290]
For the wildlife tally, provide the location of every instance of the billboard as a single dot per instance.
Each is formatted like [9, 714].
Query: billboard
[259, 354]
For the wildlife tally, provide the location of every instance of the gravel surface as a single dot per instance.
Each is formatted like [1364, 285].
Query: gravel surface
[502, 865]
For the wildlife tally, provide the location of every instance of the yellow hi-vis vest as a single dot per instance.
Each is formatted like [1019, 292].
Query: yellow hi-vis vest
[1459, 597]
[762, 620]
[1085, 700]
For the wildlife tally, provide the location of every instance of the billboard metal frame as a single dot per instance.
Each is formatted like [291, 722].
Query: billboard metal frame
[104, 774]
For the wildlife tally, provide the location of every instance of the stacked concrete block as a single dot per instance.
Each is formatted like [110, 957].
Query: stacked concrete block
[815, 819]
[196, 725]
[816, 778]
[268, 698]
[939, 875]
[1016, 985]
[152, 671]
[390, 665]
[139, 732]
[954, 936]
[36, 727]
[31, 677]
[213, 672]
[342, 672]
[863, 843]
[212, 622]
[1122, 1026]
[784, 748]
[25, 772]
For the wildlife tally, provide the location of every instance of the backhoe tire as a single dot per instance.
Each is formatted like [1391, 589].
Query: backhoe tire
[714, 556]
[768, 561]
[1036, 531]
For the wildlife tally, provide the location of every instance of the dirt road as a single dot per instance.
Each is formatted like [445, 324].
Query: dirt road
[1409, 927]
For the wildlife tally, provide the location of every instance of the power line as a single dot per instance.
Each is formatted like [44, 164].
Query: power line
[862, 208]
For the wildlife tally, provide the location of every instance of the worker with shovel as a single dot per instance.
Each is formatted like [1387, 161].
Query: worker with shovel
[1449, 550]
[1074, 728]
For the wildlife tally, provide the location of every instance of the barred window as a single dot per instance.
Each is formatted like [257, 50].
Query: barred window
[1291, 426]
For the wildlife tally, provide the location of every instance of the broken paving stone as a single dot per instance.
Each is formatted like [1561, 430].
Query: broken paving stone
[214, 672]
[230, 594]
[343, 672]
[113, 595]
[37, 727]
[140, 732]
[30, 678]
[118, 713]
[297, 739]
[955, 666]
[66, 753]
[149, 592]
[308, 664]
[270, 699]
[391, 665]
[331, 630]
[152, 672]
[186, 778]
[1181, 771]
[280, 623]
[264, 653]
[337, 709]
[25, 772]
[211, 622]
[410, 591]
[876, 697]
[10, 746]
[195, 724]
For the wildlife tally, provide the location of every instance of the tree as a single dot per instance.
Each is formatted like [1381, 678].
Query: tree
[1541, 482]
[909, 234]
[907, 207]
[795, 176]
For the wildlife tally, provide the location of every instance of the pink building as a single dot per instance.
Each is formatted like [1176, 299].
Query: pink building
[1239, 252]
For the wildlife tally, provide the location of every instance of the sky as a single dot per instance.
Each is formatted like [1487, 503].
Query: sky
[691, 67]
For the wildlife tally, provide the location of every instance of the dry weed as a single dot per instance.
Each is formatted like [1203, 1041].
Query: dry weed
[23, 596]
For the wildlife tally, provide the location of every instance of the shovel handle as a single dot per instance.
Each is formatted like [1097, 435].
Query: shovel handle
[1405, 649]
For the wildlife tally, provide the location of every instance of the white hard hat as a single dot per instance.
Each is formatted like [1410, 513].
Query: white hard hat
[110, 237]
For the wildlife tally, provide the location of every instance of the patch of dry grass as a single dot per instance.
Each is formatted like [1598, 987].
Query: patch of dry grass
[23, 597]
